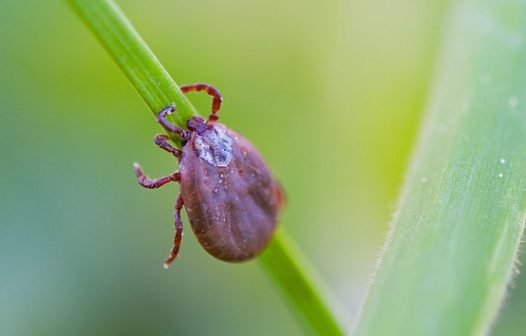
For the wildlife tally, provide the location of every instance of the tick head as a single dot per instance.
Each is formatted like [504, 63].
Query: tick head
[196, 124]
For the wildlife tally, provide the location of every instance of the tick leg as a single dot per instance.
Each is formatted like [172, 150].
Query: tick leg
[168, 126]
[217, 98]
[156, 183]
[178, 232]
[161, 140]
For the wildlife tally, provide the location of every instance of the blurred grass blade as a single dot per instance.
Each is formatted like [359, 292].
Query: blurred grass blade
[283, 263]
[454, 240]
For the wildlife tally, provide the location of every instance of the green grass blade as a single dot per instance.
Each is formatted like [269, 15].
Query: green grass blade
[454, 240]
[283, 263]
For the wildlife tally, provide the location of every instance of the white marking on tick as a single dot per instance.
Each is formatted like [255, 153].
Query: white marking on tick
[214, 146]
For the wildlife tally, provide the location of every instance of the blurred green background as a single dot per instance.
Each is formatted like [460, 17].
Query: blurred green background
[331, 93]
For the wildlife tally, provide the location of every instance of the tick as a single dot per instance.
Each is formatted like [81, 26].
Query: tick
[231, 198]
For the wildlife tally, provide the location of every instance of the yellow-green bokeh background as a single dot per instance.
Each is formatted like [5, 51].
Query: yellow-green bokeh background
[331, 92]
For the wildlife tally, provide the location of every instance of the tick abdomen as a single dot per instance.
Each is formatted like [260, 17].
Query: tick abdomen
[230, 196]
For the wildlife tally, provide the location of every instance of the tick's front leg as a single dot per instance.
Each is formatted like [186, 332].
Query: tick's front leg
[212, 91]
[168, 126]
[161, 140]
[154, 183]
[178, 232]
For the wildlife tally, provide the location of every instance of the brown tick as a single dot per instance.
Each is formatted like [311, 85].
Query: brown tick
[231, 198]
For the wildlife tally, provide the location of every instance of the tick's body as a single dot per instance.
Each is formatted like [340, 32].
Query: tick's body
[235, 214]
[230, 196]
